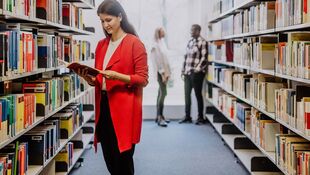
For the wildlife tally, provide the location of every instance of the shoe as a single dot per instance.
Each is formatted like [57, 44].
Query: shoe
[162, 123]
[186, 120]
[200, 121]
[157, 118]
[167, 120]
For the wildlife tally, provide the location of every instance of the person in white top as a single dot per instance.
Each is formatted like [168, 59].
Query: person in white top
[159, 54]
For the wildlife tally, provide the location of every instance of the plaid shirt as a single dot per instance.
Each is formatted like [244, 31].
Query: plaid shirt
[196, 56]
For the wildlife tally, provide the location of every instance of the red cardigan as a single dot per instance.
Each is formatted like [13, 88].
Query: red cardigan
[125, 100]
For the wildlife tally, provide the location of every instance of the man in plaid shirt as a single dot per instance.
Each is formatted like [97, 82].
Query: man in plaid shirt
[193, 73]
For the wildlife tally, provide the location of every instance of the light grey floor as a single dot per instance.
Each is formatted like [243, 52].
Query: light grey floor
[179, 149]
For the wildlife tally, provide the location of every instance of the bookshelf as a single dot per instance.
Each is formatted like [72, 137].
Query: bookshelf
[270, 155]
[35, 170]
[64, 92]
[231, 70]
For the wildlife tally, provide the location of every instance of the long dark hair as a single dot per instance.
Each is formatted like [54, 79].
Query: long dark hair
[114, 8]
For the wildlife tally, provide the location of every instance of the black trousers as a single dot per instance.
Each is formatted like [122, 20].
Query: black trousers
[194, 80]
[162, 93]
[116, 162]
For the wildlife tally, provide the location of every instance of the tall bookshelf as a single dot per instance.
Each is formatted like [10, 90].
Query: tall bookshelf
[258, 82]
[51, 39]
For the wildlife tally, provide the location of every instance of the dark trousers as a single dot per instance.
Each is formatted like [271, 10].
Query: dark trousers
[194, 80]
[117, 163]
[162, 93]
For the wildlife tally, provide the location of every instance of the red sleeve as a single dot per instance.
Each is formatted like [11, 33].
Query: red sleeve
[140, 76]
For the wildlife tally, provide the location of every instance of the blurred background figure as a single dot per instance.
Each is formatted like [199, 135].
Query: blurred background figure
[162, 68]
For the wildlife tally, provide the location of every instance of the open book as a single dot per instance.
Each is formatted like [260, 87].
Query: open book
[75, 66]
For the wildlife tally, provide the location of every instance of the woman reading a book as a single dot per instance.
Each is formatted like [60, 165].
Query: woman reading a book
[118, 115]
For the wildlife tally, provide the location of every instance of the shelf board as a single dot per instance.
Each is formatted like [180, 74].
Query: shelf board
[268, 154]
[234, 10]
[242, 35]
[38, 71]
[292, 27]
[11, 139]
[16, 17]
[293, 78]
[41, 119]
[34, 169]
[271, 115]
[267, 72]
[81, 4]
[42, 24]
[88, 115]
[78, 152]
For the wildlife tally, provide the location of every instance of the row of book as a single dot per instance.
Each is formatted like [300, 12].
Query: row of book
[292, 105]
[60, 126]
[291, 151]
[221, 6]
[22, 52]
[261, 128]
[55, 11]
[292, 12]
[264, 16]
[41, 144]
[36, 98]
[259, 17]
[14, 159]
[17, 111]
[64, 158]
[289, 102]
[286, 54]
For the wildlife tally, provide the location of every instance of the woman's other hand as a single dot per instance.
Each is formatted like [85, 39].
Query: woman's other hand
[84, 74]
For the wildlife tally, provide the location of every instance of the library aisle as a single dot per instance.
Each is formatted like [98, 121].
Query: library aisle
[176, 150]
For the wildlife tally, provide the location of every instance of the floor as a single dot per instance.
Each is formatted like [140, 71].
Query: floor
[179, 149]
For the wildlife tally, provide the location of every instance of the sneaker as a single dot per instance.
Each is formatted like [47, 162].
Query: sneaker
[167, 120]
[162, 123]
[200, 121]
[186, 120]
[157, 118]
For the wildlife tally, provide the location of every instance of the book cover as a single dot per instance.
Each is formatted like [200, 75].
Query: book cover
[75, 66]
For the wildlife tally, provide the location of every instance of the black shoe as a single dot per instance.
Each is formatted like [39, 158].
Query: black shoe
[200, 121]
[186, 120]
[162, 123]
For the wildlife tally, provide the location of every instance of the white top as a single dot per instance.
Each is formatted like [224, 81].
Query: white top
[110, 51]
[160, 57]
